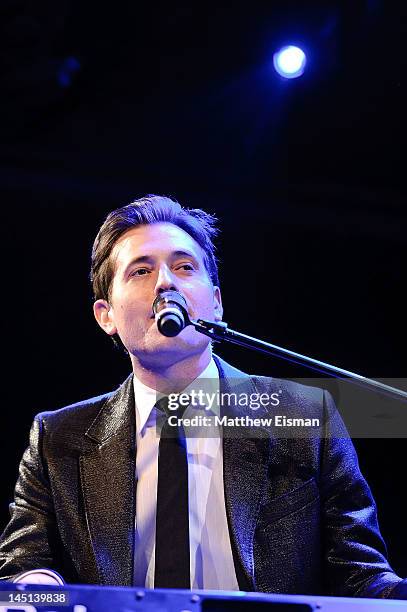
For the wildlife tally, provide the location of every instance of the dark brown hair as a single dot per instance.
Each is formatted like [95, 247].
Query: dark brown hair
[201, 226]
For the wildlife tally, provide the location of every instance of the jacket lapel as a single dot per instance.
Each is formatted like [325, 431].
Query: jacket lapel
[246, 454]
[108, 485]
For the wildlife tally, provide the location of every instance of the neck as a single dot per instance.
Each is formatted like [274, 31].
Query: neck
[174, 377]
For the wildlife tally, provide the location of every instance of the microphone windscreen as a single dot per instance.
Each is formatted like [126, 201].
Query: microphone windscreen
[171, 315]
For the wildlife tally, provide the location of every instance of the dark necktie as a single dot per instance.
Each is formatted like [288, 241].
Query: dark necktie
[172, 521]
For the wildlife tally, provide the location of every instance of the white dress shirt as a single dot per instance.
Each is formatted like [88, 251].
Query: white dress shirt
[211, 557]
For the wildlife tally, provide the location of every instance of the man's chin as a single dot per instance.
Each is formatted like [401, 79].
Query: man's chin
[162, 349]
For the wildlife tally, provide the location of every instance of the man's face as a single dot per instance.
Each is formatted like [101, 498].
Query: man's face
[147, 260]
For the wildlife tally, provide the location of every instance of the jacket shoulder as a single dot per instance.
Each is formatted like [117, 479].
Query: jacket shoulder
[66, 427]
[73, 413]
[70, 423]
[293, 390]
[294, 399]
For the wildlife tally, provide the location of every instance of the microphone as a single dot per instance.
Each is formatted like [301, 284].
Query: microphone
[170, 310]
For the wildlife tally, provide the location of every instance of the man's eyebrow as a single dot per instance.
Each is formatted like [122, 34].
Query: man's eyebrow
[150, 258]
[184, 254]
[136, 260]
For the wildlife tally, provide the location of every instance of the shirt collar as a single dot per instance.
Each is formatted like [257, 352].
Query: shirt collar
[146, 397]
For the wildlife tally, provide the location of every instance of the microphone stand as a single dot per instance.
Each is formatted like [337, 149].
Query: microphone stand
[220, 331]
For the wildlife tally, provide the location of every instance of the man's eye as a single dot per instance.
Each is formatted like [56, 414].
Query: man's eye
[186, 266]
[140, 272]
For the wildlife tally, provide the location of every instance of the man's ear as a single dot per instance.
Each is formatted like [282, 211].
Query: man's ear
[103, 312]
[217, 302]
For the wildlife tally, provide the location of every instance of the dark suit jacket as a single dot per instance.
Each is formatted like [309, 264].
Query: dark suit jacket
[301, 516]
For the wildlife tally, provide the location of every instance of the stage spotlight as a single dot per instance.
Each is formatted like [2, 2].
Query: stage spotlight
[290, 62]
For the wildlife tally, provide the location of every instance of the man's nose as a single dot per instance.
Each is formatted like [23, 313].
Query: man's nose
[165, 281]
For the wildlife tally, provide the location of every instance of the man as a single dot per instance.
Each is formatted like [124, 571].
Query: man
[267, 513]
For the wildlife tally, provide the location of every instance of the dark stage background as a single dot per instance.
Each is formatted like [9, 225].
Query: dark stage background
[103, 103]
